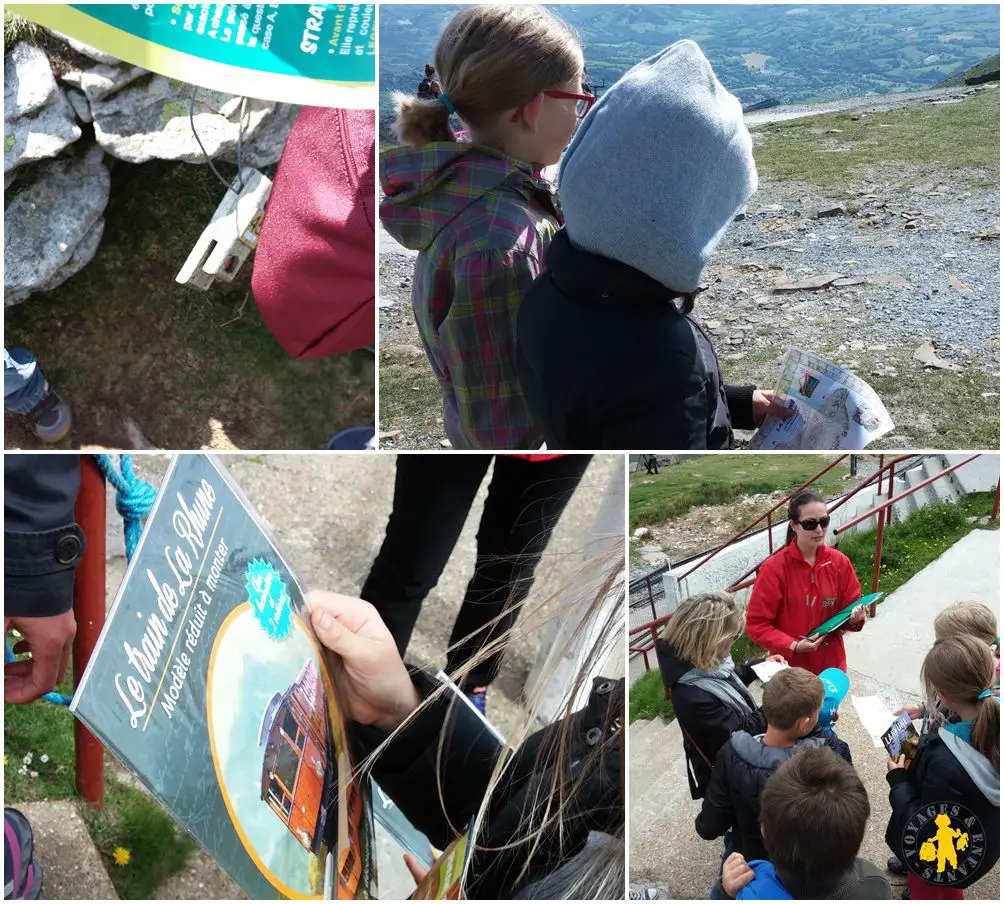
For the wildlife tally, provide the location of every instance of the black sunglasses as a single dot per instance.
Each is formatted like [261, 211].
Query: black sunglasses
[813, 523]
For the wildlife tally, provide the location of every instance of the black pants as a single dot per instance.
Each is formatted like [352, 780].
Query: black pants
[432, 497]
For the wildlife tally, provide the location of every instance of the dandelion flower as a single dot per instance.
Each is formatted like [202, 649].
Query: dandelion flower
[33, 774]
[122, 856]
[44, 758]
[26, 759]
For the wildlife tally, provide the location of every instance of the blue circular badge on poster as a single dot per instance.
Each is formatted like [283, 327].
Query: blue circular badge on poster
[269, 598]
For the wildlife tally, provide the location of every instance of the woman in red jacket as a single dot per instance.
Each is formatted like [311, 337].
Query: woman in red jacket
[802, 586]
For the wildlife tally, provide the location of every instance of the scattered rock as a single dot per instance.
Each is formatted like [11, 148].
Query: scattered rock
[987, 235]
[149, 119]
[265, 148]
[810, 283]
[956, 283]
[927, 356]
[52, 229]
[28, 82]
[640, 532]
[848, 281]
[838, 211]
[887, 279]
[446, 444]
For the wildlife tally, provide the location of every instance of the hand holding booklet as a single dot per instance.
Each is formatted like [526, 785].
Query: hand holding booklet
[833, 408]
[208, 683]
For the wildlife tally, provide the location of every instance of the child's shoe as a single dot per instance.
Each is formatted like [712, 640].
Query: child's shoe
[50, 419]
[896, 865]
[478, 697]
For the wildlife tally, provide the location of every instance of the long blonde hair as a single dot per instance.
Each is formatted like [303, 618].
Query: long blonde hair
[600, 871]
[962, 668]
[490, 59]
[701, 625]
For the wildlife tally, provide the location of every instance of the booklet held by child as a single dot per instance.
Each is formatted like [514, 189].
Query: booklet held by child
[901, 738]
[833, 408]
[208, 684]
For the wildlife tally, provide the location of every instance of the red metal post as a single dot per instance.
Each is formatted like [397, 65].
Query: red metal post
[89, 609]
[997, 502]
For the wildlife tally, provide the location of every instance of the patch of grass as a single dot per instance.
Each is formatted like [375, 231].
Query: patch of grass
[924, 405]
[17, 28]
[991, 64]
[122, 339]
[911, 545]
[36, 730]
[718, 479]
[957, 136]
[410, 402]
[130, 819]
[137, 823]
[647, 697]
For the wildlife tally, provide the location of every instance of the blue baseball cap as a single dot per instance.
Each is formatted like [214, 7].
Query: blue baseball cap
[835, 687]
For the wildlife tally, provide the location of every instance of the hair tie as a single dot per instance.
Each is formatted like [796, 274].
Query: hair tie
[446, 102]
[986, 693]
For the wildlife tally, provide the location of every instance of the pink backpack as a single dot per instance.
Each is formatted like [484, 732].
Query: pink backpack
[314, 269]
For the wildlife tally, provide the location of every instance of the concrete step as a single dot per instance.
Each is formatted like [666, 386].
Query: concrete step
[71, 864]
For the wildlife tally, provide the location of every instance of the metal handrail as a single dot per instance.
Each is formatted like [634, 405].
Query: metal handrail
[739, 534]
[882, 468]
[894, 499]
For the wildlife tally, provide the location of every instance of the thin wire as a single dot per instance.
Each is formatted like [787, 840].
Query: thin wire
[209, 160]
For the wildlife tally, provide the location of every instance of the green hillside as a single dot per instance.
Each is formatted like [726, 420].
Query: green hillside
[992, 64]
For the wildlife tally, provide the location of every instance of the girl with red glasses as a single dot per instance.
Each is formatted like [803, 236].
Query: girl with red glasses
[478, 213]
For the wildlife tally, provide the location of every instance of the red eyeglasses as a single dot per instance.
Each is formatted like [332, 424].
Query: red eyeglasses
[584, 103]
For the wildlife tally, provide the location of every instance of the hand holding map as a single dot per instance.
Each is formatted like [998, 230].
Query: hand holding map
[833, 408]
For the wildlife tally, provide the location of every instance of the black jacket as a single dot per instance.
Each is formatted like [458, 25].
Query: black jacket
[42, 542]
[732, 799]
[413, 772]
[937, 775]
[607, 361]
[706, 722]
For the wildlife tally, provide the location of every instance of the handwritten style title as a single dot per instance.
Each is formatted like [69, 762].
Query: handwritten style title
[194, 525]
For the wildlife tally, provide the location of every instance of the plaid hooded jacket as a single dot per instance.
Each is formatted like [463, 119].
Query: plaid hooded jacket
[481, 223]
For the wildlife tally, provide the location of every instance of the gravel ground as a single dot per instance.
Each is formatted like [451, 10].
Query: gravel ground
[922, 242]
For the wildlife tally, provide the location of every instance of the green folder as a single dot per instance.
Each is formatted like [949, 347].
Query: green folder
[838, 620]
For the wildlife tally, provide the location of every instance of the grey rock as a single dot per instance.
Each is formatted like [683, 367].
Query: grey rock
[102, 82]
[92, 53]
[28, 82]
[266, 147]
[838, 211]
[81, 107]
[82, 255]
[39, 136]
[49, 229]
[150, 120]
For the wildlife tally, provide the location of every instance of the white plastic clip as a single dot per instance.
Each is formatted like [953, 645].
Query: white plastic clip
[231, 235]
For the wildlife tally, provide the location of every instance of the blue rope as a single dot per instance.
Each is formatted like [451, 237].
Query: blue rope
[134, 498]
